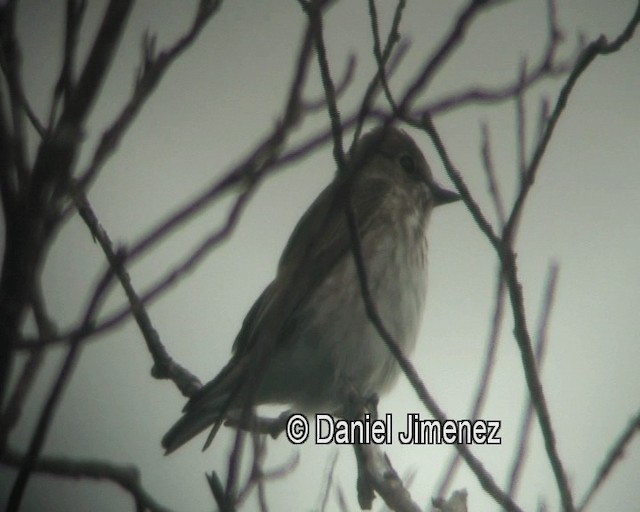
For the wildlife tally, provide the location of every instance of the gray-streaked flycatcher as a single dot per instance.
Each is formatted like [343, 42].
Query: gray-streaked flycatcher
[307, 339]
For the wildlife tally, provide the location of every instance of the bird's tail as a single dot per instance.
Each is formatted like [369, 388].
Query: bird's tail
[198, 415]
[207, 407]
[187, 427]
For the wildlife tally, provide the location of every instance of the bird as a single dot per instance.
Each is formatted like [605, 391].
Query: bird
[307, 340]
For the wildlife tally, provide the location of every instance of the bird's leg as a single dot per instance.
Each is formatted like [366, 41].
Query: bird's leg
[355, 404]
[371, 404]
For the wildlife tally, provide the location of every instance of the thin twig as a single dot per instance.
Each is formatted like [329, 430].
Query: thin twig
[484, 225]
[523, 339]
[152, 71]
[126, 477]
[615, 455]
[509, 269]
[452, 39]
[545, 68]
[388, 60]
[325, 489]
[490, 173]
[46, 416]
[483, 476]
[259, 476]
[483, 384]
[521, 122]
[381, 56]
[541, 343]
[250, 385]
[320, 103]
[46, 327]
[56, 154]
[10, 60]
[64, 88]
[164, 366]
[248, 174]
[588, 55]
[507, 256]
[12, 411]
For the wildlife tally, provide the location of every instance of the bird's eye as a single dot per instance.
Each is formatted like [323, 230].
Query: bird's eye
[408, 163]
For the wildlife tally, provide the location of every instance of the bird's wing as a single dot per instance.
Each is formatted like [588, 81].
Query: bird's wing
[320, 239]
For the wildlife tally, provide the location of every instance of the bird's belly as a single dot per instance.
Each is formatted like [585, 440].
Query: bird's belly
[334, 342]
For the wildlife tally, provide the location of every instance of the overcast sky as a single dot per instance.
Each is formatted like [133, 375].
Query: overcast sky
[216, 103]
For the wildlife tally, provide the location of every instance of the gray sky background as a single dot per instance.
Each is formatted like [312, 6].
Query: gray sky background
[218, 101]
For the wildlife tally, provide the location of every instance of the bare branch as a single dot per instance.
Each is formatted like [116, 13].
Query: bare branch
[483, 476]
[384, 479]
[443, 51]
[545, 68]
[588, 55]
[615, 455]
[457, 502]
[98, 63]
[327, 482]
[320, 103]
[381, 57]
[126, 477]
[521, 123]
[541, 343]
[164, 366]
[489, 170]
[485, 378]
[151, 72]
[217, 491]
[10, 60]
[392, 54]
[64, 88]
[258, 476]
[12, 412]
[252, 169]
[521, 332]
[56, 154]
[461, 186]
[46, 416]
[507, 256]
[248, 175]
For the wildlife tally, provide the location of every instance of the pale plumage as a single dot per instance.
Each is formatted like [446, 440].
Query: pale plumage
[307, 336]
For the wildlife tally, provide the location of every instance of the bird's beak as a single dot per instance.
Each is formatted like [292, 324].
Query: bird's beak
[443, 196]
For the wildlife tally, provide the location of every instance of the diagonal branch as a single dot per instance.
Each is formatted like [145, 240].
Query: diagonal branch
[523, 339]
[46, 416]
[380, 55]
[57, 153]
[66, 82]
[588, 55]
[453, 173]
[541, 343]
[546, 67]
[98, 63]
[164, 366]
[444, 50]
[10, 60]
[485, 479]
[615, 455]
[483, 385]
[152, 71]
[126, 477]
